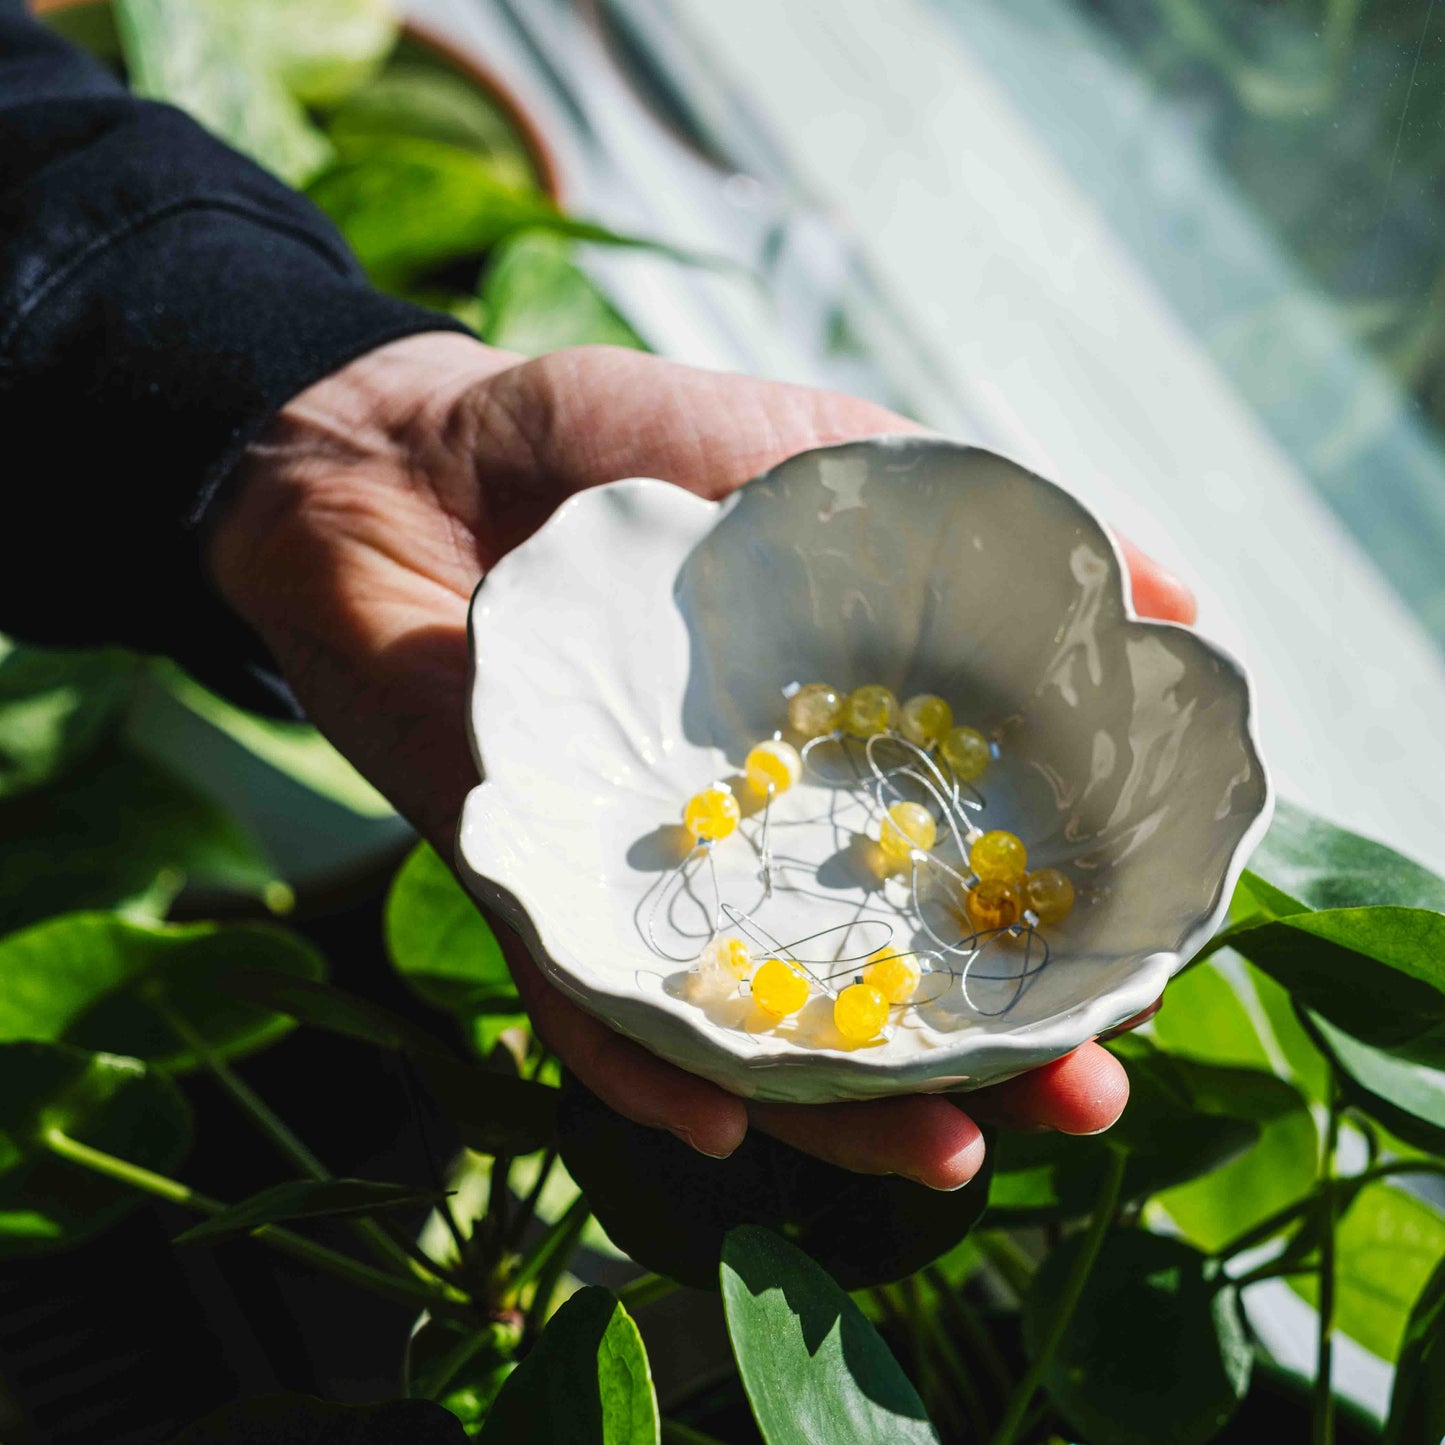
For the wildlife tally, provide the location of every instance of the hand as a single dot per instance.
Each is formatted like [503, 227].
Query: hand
[353, 539]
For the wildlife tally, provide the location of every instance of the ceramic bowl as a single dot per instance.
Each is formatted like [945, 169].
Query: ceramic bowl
[638, 645]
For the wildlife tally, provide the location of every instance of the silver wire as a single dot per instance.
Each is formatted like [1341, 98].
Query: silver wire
[947, 805]
[953, 800]
[664, 885]
[765, 845]
[745, 923]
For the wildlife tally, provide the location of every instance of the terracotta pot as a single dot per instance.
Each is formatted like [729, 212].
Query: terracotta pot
[539, 151]
[464, 63]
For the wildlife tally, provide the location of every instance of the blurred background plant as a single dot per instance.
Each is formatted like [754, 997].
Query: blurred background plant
[455, 1228]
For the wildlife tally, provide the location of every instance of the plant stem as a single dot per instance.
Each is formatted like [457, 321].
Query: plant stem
[409, 1085]
[550, 1243]
[251, 1103]
[1281, 1218]
[898, 1321]
[638, 1292]
[529, 1204]
[1272, 1271]
[953, 1363]
[906, 1321]
[442, 1299]
[499, 1194]
[1324, 1397]
[971, 1327]
[676, 1433]
[1089, 1247]
[279, 1133]
[1013, 1263]
[549, 1259]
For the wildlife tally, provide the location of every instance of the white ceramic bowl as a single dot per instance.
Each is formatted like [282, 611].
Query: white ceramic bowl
[636, 647]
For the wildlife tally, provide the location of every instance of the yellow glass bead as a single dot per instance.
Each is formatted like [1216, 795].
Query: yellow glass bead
[726, 959]
[925, 719]
[999, 855]
[906, 826]
[966, 751]
[774, 764]
[1050, 894]
[815, 709]
[860, 1012]
[868, 710]
[711, 814]
[994, 904]
[895, 975]
[779, 987]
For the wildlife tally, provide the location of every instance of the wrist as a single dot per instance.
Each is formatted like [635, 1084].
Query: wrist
[375, 425]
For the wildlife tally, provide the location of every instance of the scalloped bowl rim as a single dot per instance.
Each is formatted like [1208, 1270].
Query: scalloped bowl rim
[976, 1059]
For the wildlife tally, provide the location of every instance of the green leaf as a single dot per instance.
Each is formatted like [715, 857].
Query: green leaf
[1386, 1247]
[325, 1006]
[585, 1382]
[1329, 867]
[1417, 1402]
[323, 50]
[441, 945]
[303, 1199]
[420, 99]
[1205, 1021]
[459, 1367]
[202, 56]
[1215, 1209]
[1407, 1098]
[304, 1420]
[408, 205]
[1377, 972]
[55, 708]
[1305, 1064]
[1156, 1352]
[1256, 898]
[1184, 1119]
[814, 1368]
[109, 1103]
[113, 830]
[98, 981]
[1204, 1017]
[470, 1181]
[293, 748]
[535, 299]
[494, 1113]
[670, 1207]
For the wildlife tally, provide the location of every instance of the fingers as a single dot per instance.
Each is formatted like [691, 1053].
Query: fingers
[1082, 1093]
[1157, 593]
[922, 1137]
[624, 1075]
[929, 1139]
[593, 414]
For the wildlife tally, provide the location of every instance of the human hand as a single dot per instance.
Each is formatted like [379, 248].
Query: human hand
[352, 541]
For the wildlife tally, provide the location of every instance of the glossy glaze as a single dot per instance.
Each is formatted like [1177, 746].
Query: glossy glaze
[635, 649]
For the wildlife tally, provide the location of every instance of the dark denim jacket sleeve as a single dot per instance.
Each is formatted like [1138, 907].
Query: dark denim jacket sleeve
[161, 298]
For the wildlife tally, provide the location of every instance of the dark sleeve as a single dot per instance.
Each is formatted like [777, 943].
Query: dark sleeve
[160, 298]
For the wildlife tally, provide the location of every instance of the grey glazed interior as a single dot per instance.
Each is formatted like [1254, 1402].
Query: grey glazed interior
[936, 568]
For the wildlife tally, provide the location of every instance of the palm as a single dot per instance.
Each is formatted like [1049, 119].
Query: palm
[359, 533]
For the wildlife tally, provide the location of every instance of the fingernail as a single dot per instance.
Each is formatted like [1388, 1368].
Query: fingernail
[936, 1188]
[678, 1131]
